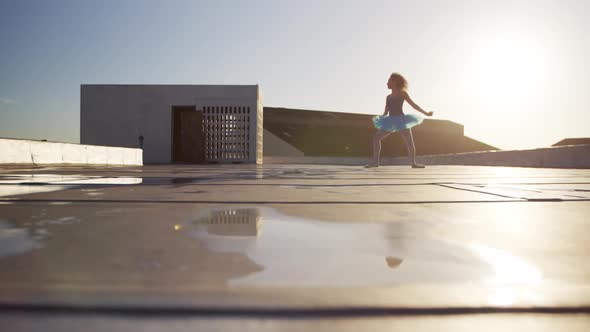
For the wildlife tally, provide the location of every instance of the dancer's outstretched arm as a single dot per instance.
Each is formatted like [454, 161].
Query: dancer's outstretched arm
[414, 105]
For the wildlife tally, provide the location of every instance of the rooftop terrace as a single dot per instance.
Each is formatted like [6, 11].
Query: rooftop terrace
[294, 246]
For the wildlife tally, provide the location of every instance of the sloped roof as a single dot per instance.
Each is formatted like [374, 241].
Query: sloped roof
[573, 141]
[358, 120]
[318, 133]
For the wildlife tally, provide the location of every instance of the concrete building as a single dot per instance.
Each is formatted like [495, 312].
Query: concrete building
[175, 123]
[215, 123]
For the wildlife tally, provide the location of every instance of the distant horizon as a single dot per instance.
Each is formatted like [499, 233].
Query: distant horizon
[516, 74]
[313, 110]
[316, 110]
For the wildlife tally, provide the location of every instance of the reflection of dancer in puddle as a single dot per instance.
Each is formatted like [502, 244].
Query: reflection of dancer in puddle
[393, 262]
[394, 119]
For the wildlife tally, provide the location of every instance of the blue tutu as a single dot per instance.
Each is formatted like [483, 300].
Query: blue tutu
[396, 122]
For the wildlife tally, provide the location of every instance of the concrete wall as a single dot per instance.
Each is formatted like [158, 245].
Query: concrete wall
[276, 147]
[116, 115]
[577, 156]
[17, 151]
[259, 125]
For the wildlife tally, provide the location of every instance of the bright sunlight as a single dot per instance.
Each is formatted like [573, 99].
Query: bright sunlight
[512, 64]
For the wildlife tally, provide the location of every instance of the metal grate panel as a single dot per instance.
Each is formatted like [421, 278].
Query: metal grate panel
[227, 133]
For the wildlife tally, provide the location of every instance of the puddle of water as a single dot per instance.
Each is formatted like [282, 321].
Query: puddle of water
[28, 235]
[16, 240]
[261, 247]
[298, 252]
[61, 221]
[507, 268]
[49, 179]
[34, 178]
[41, 183]
[230, 176]
[17, 190]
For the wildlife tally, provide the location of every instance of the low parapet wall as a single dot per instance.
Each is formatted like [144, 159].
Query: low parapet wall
[574, 156]
[18, 151]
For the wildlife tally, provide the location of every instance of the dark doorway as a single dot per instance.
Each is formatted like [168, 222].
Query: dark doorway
[187, 145]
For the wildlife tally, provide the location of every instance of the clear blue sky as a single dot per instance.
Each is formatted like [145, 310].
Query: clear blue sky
[515, 73]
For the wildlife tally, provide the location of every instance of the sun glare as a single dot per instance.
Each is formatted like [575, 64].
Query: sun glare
[508, 71]
[506, 78]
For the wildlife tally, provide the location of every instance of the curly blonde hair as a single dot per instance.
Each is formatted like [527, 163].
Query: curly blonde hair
[399, 81]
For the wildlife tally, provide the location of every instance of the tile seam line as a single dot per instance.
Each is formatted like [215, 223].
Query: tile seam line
[104, 185]
[479, 191]
[447, 184]
[342, 311]
[315, 177]
[285, 202]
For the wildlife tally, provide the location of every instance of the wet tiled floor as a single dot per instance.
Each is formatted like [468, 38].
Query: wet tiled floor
[295, 238]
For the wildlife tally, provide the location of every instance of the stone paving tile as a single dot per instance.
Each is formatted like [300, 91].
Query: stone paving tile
[466, 254]
[262, 194]
[527, 192]
[459, 323]
[295, 236]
